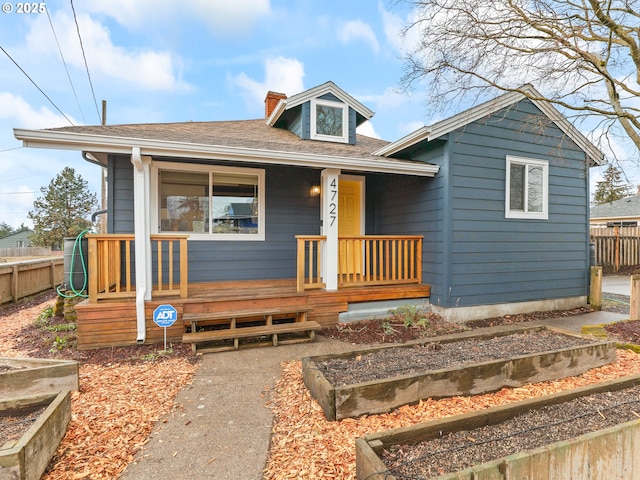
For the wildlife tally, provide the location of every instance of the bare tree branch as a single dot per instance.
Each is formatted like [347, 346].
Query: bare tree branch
[583, 55]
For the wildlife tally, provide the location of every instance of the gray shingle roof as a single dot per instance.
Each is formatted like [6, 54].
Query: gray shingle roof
[240, 133]
[625, 207]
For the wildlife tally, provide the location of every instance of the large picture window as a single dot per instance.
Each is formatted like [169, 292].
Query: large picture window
[329, 121]
[210, 203]
[526, 188]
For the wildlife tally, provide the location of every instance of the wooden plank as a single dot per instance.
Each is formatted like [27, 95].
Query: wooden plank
[634, 310]
[244, 332]
[595, 299]
[196, 317]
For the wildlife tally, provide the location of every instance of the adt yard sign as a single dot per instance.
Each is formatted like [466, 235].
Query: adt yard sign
[165, 315]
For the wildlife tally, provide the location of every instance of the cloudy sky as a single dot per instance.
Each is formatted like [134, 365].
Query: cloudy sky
[161, 61]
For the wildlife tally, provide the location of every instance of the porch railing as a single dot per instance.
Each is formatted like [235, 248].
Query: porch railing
[363, 260]
[309, 263]
[112, 272]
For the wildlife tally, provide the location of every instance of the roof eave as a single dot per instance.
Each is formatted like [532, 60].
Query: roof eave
[330, 87]
[123, 145]
[407, 141]
[438, 129]
[279, 109]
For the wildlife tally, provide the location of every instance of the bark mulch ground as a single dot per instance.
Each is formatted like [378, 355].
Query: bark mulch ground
[124, 391]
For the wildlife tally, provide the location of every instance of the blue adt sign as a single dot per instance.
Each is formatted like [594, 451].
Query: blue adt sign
[165, 315]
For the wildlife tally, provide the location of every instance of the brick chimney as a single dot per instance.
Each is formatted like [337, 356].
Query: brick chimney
[271, 101]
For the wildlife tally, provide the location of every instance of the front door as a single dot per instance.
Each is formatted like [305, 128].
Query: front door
[350, 225]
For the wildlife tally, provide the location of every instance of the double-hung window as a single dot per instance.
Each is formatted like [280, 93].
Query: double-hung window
[527, 188]
[210, 202]
[329, 121]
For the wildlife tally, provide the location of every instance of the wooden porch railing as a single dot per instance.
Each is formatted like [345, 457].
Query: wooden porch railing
[309, 263]
[111, 266]
[363, 260]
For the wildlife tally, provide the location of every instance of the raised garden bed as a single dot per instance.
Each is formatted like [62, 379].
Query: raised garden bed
[467, 363]
[20, 377]
[27, 456]
[588, 432]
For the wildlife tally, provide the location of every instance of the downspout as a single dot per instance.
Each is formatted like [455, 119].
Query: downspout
[142, 255]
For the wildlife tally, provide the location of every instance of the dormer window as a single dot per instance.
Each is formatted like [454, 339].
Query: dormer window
[329, 121]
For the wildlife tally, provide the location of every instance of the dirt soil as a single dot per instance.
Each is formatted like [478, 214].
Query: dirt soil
[392, 362]
[463, 449]
[14, 426]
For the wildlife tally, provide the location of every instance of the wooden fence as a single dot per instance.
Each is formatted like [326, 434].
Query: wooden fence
[616, 247]
[25, 252]
[27, 277]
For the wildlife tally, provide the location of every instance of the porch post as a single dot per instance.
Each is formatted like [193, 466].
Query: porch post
[142, 231]
[329, 191]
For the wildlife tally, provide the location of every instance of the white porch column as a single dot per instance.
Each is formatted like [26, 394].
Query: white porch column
[142, 231]
[329, 210]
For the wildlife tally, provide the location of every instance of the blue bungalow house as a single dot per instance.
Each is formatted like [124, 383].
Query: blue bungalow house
[481, 214]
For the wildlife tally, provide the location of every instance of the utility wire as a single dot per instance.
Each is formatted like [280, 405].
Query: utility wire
[9, 149]
[36, 85]
[65, 66]
[86, 66]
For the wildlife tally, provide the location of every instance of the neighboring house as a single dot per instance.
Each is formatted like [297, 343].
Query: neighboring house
[18, 239]
[487, 209]
[621, 213]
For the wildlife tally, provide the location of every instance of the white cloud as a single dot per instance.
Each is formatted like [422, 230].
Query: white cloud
[284, 75]
[19, 113]
[405, 128]
[358, 30]
[367, 129]
[149, 69]
[393, 29]
[232, 18]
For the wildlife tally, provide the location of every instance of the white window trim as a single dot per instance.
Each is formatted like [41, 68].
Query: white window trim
[155, 195]
[544, 215]
[345, 121]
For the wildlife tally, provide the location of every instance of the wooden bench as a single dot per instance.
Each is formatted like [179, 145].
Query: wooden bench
[235, 332]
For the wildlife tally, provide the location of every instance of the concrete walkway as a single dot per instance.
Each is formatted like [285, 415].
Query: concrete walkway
[222, 426]
[618, 284]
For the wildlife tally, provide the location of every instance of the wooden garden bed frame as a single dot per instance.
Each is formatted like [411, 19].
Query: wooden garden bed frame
[379, 396]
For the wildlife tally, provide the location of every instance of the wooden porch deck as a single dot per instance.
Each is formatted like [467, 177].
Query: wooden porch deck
[113, 322]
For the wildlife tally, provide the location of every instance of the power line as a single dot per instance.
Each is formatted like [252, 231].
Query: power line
[9, 149]
[86, 66]
[35, 84]
[65, 66]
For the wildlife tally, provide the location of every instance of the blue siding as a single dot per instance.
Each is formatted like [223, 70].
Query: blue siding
[120, 194]
[305, 119]
[472, 254]
[497, 260]
[414, 206]
[296, 124]
[290, 211]
[352, 126]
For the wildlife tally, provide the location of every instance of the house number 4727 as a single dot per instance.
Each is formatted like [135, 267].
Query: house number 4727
[333, 202]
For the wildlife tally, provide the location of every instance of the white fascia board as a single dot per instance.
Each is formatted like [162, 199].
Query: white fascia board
[408, 140]
[329, 87]
[115, 145]
[281, 106]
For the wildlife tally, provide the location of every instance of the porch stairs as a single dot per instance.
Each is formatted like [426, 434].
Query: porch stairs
[266, 319]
